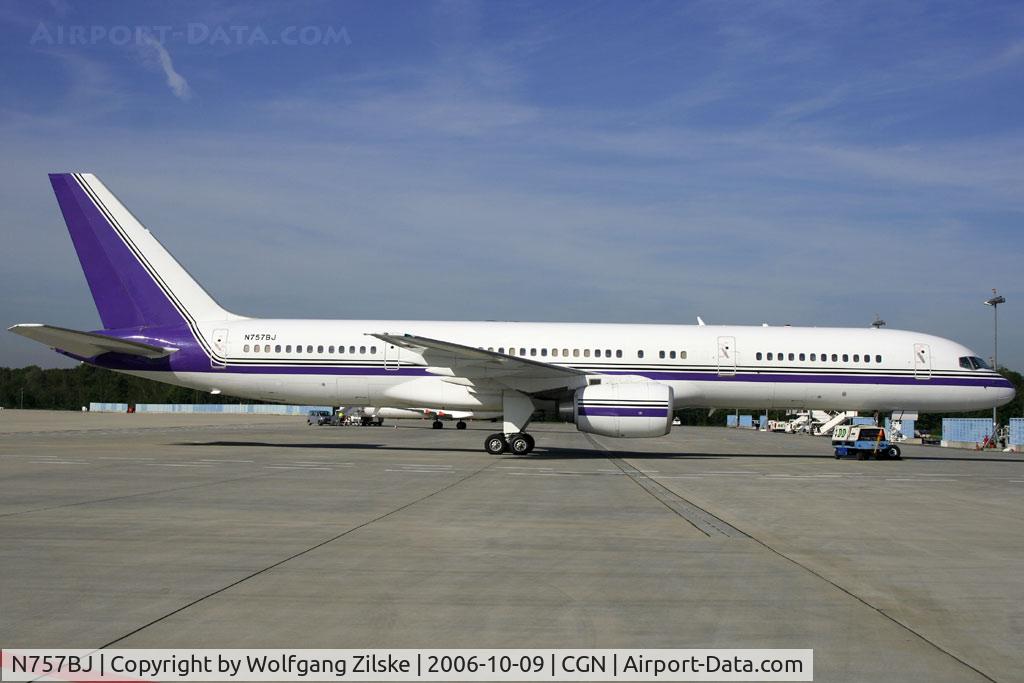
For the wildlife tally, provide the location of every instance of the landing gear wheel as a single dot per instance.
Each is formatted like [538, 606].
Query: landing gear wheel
[495, 444]
[438, 424]
[530, 439]
[519, 444]
[460, 425]
[894, 453]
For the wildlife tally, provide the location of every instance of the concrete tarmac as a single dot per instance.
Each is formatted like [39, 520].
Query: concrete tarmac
[258, 531]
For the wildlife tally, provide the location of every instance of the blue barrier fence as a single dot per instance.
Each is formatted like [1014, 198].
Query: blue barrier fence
[1017, 431]
[966, 429]
[108, 407]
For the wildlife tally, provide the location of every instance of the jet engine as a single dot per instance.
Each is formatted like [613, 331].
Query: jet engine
[629, 409]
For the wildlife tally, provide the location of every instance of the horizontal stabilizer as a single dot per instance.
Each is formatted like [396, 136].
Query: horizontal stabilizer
[87, 344]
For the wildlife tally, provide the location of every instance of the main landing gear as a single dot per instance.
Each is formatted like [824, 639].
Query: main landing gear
[438, 424]
[517, 409]
[460, 424]
[517, 444]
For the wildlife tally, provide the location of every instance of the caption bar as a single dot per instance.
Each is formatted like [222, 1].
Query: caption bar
[407, 665]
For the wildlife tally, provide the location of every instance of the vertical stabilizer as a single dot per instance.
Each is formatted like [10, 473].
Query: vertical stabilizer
[134, 281]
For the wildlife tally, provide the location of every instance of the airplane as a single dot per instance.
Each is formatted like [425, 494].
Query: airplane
[616, 380]
[378, 414]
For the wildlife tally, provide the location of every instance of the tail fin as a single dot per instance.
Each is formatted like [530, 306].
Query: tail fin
[134, 281]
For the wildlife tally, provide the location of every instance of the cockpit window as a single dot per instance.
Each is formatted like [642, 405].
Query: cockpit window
[973, 363]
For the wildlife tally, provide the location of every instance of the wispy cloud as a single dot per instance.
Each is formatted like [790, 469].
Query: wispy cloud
[175, 81]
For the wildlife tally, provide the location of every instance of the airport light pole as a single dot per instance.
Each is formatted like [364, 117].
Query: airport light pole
[994, 302]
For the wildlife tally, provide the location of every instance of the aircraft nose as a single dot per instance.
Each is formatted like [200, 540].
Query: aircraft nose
[1006, 393]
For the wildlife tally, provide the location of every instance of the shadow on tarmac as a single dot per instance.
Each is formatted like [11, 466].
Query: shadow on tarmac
[544, 453]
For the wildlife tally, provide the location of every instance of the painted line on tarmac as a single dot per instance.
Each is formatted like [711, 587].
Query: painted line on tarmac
[332, 539]
[698, 517]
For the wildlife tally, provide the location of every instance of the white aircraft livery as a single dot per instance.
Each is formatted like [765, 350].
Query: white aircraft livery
[614, 380]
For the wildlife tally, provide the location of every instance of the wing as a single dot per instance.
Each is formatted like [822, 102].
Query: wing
[86, 344]
[480, 366]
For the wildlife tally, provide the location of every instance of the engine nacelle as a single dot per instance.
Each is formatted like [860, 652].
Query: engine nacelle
[629, 409]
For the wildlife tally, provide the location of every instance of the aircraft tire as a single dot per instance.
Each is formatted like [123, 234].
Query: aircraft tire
[495, 444]
[460, 425]
[531, 442]
[519, 444]
[437, 424]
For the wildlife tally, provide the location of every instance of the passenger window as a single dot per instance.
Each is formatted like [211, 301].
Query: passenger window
[856, 358]
[330, 349]
[867, 358]
[501, 349]
[792, 357]
[288, 348]
[671, 354]
[373, 349]
[277, 349]
[661, 354]
[607, 353]
[814, 357]
[682, 354]
[835, 357]
[351, 349]
[320, 349]
[878, 359]
[586, 353]
[575, 353]
[639, 354]
[771, 356]
[565, 353]
[846, 358]
[543, 352]
[533, 352]
[758, 355]
[309, 348]
[362, 349]
[246, 350]
[618, 353]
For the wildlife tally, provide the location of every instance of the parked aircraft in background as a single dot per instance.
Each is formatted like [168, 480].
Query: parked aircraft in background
[610, 379]
[380, 414]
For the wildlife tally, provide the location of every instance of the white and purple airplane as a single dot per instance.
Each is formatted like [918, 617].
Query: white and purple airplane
[614, 380]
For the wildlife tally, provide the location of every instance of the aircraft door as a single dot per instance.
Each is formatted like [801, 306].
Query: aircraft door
[220, 348]
[726, 356]
[922, 361]
[392, 356]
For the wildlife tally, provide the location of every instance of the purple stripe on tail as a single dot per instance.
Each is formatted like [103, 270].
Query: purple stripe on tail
[124, 292]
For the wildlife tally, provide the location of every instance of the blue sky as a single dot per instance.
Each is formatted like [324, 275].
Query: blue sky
[805, 163]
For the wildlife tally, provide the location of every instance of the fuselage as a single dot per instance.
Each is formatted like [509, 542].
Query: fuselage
[712, 366]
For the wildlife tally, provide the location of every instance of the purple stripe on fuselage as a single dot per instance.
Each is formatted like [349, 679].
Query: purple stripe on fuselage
[606, 411]
[988, 381]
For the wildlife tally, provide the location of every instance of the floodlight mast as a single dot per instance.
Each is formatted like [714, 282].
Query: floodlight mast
[994, 302]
